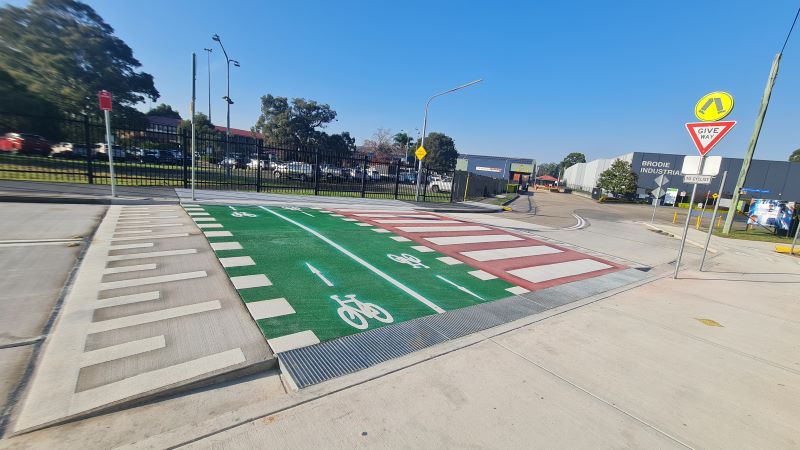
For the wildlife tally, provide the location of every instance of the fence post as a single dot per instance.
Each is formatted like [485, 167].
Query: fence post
[89, 149]
[316, 171]
[452, 185]
[184, 138]
[425, 174]
[397, 179]
[259, 148]
[364, 177]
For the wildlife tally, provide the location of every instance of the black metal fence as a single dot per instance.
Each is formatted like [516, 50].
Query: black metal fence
[468, 185]
[74, 150]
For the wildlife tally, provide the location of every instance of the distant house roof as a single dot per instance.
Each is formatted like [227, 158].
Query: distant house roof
[547, 178]
[159, 120]
[239, 132]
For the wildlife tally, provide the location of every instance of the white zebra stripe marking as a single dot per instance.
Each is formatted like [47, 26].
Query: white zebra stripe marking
[154, 316]
[449, 260]
[266, 309]
[125, 269]
[209, 225]
[128, 299]
[237, 261]
[481, 275]
[454, 240]
[119, 351]
[188, 251]
[130, 246]
[250, 281]
[152, 236]
[422, 248]
[152, 280]
[218, 233]
[538, 274]
[400, 239]
[514, 252]
[217, 246]
[293, 341]
[454, 228]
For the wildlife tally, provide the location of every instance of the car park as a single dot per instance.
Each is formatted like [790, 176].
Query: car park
[68, 150]
[117, 152]
[294, 170]
[24, 143]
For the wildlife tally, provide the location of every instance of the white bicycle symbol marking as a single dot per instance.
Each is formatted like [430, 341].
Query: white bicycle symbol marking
[355, 312]
[291, 208]
[411, 260]
[242, 214]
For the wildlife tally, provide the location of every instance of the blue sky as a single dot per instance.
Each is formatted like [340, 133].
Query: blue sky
[602, 78]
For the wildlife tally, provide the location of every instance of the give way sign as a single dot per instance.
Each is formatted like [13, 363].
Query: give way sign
[706, 135]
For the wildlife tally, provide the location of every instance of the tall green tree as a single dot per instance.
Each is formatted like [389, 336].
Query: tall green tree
[16, 98]
[572, 159]
[64, 52]
[165, 110]
[295, 122]
[618, 179]
[547, 169]
[795, 156]
[442, 153]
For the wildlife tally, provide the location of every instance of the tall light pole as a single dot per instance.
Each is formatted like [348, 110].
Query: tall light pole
[208, 54]
[227, 98]
[425, 127]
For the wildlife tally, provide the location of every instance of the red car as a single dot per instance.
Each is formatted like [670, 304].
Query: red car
[30, 144]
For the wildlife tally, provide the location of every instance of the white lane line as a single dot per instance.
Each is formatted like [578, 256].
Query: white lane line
[336, 215]
[400, 239]
[132, 232]
[369, 266]
[445, 228]
[250, 281]
[152, 236]
[293, 341]
[199, 213]
[125, 269]
[380, 230]
[387, 216]
[454, 240]
[433, 221]
[481, 275]
[209, 225]
[422, 248]
[135, 222]
[204, 219]
[119, 351]
[152, 225]
[538, 274]
[237, 261]
[129, 246]
[217, 246]
[218, 233]
[362, 224]
[188, 251]
[152, 280]
[449, 261]
[517, 290]
[513, 252]
[266, 309]
[316, 272]
[154, 316]
[128, 299]
[144, 216]
[349, 219]
[148, 381]
[460, 288]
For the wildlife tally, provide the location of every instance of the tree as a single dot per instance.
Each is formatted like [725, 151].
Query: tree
[164, 110]
[381, 148]
[618, 179]
[202, 126]
[795, 156]
[404, 142]
[292, 123]
[16, 98]
[442, 153]
[572, 159]
[64, 52]
[548, 169]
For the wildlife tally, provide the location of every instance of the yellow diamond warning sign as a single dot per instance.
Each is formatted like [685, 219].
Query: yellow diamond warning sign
[421, 152]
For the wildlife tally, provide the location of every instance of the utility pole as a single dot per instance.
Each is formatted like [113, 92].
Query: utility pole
[208, 54]
[751, 147]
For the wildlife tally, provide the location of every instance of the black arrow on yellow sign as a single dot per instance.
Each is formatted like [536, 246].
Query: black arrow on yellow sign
[717, 103]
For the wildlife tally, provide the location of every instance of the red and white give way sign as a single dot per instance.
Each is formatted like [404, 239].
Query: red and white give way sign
[105, 100]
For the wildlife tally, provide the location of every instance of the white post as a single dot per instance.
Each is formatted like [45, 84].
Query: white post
[713, 216]
[110, 151]
[686, 225]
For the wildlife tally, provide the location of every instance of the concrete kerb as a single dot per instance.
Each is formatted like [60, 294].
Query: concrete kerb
[187, 434]
[84, 200]
[511, 200]
[672, 235]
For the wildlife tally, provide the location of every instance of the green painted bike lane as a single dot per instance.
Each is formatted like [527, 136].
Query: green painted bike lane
[311, 256]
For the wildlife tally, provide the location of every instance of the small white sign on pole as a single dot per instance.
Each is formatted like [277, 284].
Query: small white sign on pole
[691, 165]
[697, 179]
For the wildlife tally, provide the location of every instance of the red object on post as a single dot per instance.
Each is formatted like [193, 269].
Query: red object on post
[105, 100]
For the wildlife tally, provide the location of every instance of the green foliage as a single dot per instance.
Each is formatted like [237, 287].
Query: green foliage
[795, 156]
[295, 123]
[62, 51]
[164, 110]
[341, 144]
[572, 159]
[16, 99]
[442, 153]
[618, 179]
[547, 169]
[202, 126]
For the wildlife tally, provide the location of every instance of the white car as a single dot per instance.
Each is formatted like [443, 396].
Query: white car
[299, 170]
[440, 184]
[68, 150]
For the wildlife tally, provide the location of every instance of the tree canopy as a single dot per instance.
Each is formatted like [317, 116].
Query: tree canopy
[65, 53]
[572, 159]
[292, 123]
[165, 110]
[618, 179]
[442, 153]
[795, 156]
[551, 169]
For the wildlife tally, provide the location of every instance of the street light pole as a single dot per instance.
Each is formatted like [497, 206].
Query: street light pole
[425, 126]
[208, 54]
[227, 97]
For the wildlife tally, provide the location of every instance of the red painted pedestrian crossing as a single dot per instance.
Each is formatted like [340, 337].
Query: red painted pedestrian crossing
[528, 263]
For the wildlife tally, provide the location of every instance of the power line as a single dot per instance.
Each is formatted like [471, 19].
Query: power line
[790, 30]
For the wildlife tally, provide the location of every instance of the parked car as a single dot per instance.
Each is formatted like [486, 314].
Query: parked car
[117, 152]
[440, 184]
[373, 174]
[294, 170]
[408, 177]
[28, 144]
[329, 171]
[68, 150]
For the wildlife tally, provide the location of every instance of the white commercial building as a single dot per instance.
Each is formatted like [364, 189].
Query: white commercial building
[583, 176]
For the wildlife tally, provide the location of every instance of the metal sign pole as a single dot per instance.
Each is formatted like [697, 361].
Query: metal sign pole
[110, 151]
[191, 112]
[713, 216]
[655, 205]
[686, 225]
[796, 232]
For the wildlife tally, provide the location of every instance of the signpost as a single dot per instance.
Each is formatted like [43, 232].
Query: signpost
[713, 216]
[105, 105]
[191, 115]
[420, 153]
